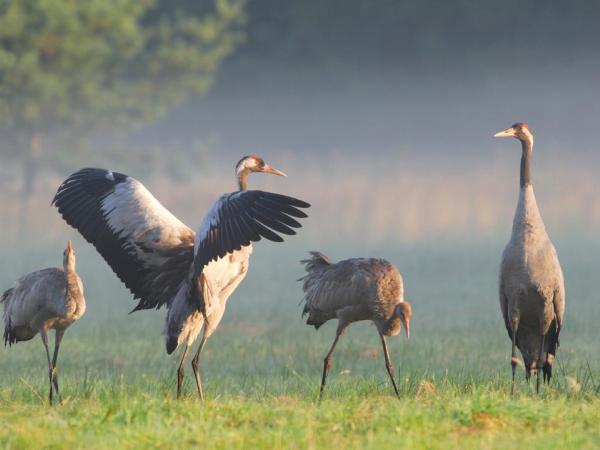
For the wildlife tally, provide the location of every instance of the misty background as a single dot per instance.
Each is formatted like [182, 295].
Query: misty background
[381, 113]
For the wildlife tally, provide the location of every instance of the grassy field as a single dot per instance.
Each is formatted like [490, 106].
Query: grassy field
[262, 367]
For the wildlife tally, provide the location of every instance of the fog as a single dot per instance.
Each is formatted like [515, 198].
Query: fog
[383, 115]
[435, 78]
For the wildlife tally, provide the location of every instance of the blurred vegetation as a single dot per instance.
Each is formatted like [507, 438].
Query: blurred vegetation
[74, 70]
[339, 41]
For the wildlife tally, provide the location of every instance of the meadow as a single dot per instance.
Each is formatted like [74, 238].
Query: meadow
[262, 368]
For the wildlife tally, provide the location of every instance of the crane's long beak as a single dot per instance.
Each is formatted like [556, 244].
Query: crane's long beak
[268, 169]
[406, 326]
[509, 132]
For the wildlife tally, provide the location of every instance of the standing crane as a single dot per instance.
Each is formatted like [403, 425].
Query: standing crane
[47, 299]
[532, 290]
[162, 261]
[353, 290]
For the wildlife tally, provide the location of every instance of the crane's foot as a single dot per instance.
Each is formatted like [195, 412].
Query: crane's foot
[198, 378]
[326, 368]
[514, 362]
[51, 389]
[58, 396]
[179, 381]
[392, 374]
[200, 392]
[56, 387]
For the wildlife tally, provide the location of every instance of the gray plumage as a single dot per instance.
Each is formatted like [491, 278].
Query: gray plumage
[532, 292]
[46, 299]
[354, 290]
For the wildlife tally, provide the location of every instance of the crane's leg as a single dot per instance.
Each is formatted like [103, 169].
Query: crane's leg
[57, 340]
[327, 362]
[44, 335]
[196, 361]
[388, 364]
[513, 358]
[548, 369]
[180, 369]
[539, 365]
[550, 356]
[547, 373]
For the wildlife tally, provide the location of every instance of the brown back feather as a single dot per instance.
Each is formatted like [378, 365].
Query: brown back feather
[372, 285]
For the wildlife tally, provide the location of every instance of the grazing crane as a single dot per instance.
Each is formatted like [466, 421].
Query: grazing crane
[353, 290]
[532, 290]
[46, 299]
[162, 261]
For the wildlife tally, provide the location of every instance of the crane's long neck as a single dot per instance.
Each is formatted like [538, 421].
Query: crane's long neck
[528, 220]
[73, 290]
[527, 147]
[391, 326]
[242, 177]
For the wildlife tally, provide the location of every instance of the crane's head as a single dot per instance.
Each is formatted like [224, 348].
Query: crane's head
[403, 312]
[519, 130]
[69, 257]
[254, 163]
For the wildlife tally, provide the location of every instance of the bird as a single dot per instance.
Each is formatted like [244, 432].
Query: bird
[353, 290]
[164, 262]
[47, 299]
[531, 284]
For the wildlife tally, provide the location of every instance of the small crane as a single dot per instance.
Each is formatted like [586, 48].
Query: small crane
[43, 300]
[353, 290]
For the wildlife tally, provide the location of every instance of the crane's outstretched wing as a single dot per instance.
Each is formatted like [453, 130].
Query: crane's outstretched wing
[148, 248]
[242, 217]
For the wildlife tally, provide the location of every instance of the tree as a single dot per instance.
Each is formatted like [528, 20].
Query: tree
[102, 65]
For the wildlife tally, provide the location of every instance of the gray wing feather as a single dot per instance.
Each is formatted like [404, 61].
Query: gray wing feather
[41, 293]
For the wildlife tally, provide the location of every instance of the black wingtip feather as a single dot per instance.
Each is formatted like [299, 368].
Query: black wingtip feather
[244, 217]
[79, 201]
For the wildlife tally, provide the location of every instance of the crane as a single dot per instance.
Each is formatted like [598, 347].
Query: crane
[47, 299]
[532, 289]
[162, 261]
[353, 290]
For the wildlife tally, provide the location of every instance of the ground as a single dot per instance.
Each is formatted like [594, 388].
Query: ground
[262, 367]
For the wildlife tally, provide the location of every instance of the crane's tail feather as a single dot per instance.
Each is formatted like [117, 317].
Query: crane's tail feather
[6, 295]
[8, 336]
[314, 267]
[552, 342]
[317, 261]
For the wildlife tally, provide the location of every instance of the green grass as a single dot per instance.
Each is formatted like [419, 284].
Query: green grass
[262, 367]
